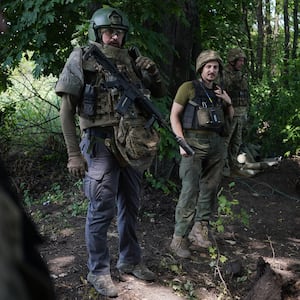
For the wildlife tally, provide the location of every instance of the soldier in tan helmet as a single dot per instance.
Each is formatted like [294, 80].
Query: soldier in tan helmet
[198, 115]
[235, 82]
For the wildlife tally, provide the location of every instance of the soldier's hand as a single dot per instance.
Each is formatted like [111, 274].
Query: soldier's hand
[77, 166]
[145, 63]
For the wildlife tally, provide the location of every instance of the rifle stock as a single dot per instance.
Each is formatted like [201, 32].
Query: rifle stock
[132, 95]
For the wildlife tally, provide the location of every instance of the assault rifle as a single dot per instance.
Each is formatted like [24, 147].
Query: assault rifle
[132, 95]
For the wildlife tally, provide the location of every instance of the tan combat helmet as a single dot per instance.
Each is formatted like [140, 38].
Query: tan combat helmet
[234, 54]
[206, 56]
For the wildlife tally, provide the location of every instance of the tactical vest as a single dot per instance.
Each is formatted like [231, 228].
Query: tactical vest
[237, 88]
[239, 98]
[100, 96]
[205, 111]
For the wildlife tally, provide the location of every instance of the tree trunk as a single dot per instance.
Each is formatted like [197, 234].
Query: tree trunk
[269, 47]
[260, 40]
[251, 60]
[182, 37]
[286, 35]
[296, 29]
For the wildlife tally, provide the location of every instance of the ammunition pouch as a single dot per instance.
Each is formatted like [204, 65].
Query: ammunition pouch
[199, 117]
[89, 100]
[210, 117]
[136, 143]
[207, 118]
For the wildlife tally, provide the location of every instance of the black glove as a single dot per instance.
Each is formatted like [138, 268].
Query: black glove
[145, 63]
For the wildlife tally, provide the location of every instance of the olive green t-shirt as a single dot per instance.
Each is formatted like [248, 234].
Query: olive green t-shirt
[185, 93]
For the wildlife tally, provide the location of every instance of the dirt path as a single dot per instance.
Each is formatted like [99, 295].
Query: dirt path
[271, 200]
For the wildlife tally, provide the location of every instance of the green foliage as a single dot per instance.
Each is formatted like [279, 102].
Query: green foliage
[221, 25]
[78, 204]
[43, 27]
[185, 288]
[228, 211]
[27, 198]
[168, 147]
[292, 133]
[53, 196]
[216, 257]
[79, 207]
[275, 115]
[30, 112]
[179, 284]
[7, 122]
[50, 30]
[147, 18]
[166, 185]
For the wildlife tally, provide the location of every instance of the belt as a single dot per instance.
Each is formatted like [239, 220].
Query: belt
[100, 132]
[202, 132]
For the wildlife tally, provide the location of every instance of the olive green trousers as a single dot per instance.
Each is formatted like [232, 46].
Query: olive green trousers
[200, 176]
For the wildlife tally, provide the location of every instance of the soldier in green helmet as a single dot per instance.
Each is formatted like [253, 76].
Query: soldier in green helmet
[110, 183]
[235, 82]
[198, 115]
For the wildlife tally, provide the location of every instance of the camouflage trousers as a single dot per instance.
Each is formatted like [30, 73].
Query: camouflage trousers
[200, 175]
[234, 141]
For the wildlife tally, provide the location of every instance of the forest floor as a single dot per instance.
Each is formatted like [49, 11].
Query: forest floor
[271, 200]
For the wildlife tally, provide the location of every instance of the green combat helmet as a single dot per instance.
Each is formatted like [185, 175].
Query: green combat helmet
[206, 56]
[107, 18]
[234, 54]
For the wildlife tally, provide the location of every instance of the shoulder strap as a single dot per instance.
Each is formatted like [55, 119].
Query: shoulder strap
[199, 95]
[197, 87]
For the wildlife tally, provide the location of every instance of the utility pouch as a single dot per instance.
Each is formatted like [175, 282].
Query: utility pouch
[214, 117]
[203, 116]
[243, 98]
[136, 144]
[210, 117]
[89, 100]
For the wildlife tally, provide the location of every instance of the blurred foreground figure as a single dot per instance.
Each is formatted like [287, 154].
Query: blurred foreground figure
[23, 273]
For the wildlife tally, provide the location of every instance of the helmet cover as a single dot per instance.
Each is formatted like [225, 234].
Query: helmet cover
[234, 54]
[206, 56]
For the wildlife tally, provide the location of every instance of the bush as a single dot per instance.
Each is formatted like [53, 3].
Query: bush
[29, 111]
[275, 116]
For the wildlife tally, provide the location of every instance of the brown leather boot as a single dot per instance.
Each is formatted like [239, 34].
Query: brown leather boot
[199, 235]
[179, 246]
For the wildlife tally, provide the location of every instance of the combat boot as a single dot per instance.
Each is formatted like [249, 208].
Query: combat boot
[140, 271]
[179, 246]
[199, 235]
[103, 284]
